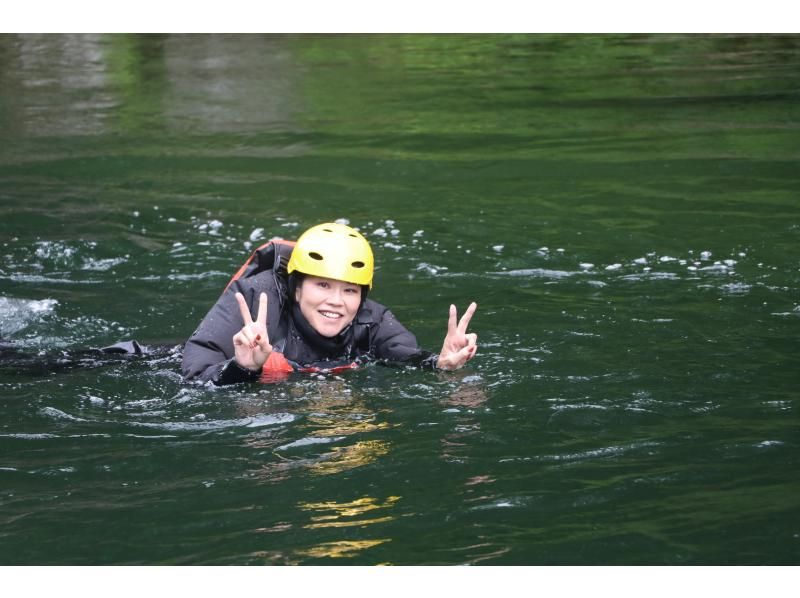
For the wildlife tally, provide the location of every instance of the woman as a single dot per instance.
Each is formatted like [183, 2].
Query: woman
[303, 307]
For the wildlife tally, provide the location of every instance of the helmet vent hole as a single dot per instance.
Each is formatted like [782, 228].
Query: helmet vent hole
[354, 236]
[327, 230]
[357, 264]
[315, 256]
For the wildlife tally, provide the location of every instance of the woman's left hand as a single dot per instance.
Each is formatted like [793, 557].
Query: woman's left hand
[459, 347]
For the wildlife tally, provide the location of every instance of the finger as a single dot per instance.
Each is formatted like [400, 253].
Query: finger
[255, 333]
[246, 317]
[472, 342]
[463, 356]
[240, 340]
[451, 322]
[260, 340]
[263, 344]
[261, 318]
[249, 336]
[462, 325]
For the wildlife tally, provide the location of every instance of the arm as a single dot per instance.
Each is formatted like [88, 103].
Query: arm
[393, 343]
[218, 350]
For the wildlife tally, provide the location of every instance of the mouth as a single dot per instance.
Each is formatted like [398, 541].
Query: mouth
[330, 315]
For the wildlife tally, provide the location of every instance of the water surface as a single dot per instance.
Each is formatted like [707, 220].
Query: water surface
[624, 209]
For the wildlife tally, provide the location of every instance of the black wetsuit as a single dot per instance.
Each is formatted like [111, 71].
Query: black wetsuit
[374, 335]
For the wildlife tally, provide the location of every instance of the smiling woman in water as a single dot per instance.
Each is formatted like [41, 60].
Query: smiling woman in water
[303, 307]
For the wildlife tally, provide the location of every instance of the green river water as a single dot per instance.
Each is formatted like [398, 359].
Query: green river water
[625, 209]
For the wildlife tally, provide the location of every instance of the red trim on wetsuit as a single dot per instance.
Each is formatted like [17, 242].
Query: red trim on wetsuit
[278, 368]
[336, 370]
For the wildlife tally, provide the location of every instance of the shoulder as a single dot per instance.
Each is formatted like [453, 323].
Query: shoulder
[384, 324]
[263, 282]
[372, 312]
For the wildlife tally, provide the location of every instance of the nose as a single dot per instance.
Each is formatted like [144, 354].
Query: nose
[335, 297]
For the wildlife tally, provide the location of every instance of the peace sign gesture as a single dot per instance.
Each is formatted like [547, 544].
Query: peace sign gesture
[459, 347]
[251, 343]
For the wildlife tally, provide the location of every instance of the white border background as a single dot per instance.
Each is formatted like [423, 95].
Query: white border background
[423, 16]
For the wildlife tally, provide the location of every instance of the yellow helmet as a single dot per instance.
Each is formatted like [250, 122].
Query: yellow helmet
[334, 251]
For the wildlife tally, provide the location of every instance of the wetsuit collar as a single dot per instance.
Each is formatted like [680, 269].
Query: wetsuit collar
[328, 346]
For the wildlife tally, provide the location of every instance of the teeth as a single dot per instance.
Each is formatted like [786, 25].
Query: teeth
[330, 314]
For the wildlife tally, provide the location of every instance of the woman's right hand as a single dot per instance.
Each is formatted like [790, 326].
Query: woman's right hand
[251, 343]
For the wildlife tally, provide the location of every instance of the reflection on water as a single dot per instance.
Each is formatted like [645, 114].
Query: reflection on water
[341, 549]
[131, 83]
[342, 514]
[343, 458]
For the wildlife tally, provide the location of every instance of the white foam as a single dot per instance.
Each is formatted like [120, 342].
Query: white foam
[102, 265]
[430, 268]
[58, 414]
[736, 288]
[768, 443]
[17, 314]
[309, 441]
[257, 421]
[538, 273]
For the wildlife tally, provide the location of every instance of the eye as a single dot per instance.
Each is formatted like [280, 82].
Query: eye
[323, 284]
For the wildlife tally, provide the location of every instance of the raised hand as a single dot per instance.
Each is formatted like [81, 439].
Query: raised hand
[459, 347]
[251, 343]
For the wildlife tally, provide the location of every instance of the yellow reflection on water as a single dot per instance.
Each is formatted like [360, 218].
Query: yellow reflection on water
[337, 424]
[349, 457]
[333, 512]
[341, 549]
[359, 522]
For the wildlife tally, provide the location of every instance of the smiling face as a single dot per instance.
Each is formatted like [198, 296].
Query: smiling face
[328, 305]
